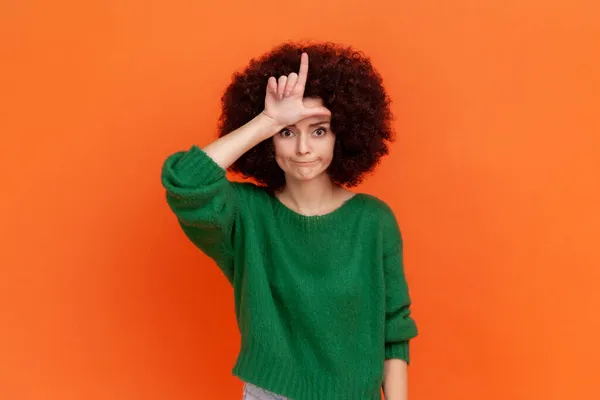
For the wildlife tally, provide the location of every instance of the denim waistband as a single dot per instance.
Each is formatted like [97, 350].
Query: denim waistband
[260, 393]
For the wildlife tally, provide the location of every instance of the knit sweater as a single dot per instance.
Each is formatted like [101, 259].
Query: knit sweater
[320, 301]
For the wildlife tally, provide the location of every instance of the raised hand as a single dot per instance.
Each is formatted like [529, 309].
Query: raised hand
[284, 98]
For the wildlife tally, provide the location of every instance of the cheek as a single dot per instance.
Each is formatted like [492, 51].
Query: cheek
[278, 148]
[328, 148]
[282, 150]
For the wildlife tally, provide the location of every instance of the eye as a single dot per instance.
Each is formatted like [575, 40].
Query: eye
[285, 133]
[320, 132]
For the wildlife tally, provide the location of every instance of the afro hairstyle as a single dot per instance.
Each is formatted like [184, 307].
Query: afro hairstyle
[349, 87]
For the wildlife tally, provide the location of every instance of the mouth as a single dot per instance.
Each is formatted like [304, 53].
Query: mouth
[305, 162]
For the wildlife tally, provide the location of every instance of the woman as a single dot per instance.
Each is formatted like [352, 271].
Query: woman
[321, 299]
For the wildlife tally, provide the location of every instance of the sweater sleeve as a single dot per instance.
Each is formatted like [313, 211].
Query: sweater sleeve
[204, 202]
[400, 327]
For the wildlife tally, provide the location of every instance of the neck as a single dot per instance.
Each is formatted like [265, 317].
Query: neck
[309, 197]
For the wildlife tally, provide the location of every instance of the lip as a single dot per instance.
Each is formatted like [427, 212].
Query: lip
[305, 162]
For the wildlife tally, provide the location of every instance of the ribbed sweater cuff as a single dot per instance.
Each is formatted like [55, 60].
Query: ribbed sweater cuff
[196, 166]
[398, 350]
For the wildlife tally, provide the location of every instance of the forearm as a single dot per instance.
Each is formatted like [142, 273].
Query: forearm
[395, 379]
[227, 149]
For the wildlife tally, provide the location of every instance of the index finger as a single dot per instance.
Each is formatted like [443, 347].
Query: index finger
[303, 73]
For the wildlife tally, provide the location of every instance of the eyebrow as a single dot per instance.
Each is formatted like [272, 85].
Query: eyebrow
[314, 124]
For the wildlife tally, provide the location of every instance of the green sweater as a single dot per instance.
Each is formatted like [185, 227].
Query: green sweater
[320, 301]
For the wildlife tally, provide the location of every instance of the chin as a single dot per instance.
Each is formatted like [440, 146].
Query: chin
[305, 177]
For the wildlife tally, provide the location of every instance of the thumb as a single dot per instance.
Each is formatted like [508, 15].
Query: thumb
[315, 111]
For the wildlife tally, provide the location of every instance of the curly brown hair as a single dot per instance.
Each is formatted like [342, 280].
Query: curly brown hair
[350, 88]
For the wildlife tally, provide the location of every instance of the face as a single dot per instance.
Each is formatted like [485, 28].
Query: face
[304, 150]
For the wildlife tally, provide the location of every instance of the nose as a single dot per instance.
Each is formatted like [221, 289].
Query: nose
[303, 144]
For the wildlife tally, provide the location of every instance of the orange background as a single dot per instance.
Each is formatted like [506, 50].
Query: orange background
[495, 179]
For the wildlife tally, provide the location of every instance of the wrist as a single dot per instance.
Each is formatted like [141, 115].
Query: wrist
[272, 125]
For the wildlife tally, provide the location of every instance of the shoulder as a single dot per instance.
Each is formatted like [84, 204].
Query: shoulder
[380, 212]
[250, 193]
[377, 206]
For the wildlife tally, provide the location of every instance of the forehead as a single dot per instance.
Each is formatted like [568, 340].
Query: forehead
[312, 101]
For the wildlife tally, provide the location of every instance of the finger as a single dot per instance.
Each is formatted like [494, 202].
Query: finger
[291, 83]
[303, 73]
[272, 85]
[281, 86]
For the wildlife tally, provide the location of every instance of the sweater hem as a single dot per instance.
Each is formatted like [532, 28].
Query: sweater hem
[254, 365]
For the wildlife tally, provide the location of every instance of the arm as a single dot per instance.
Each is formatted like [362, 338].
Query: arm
[227, 149]
[400, 326]
[200, 195]
[395, 379]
